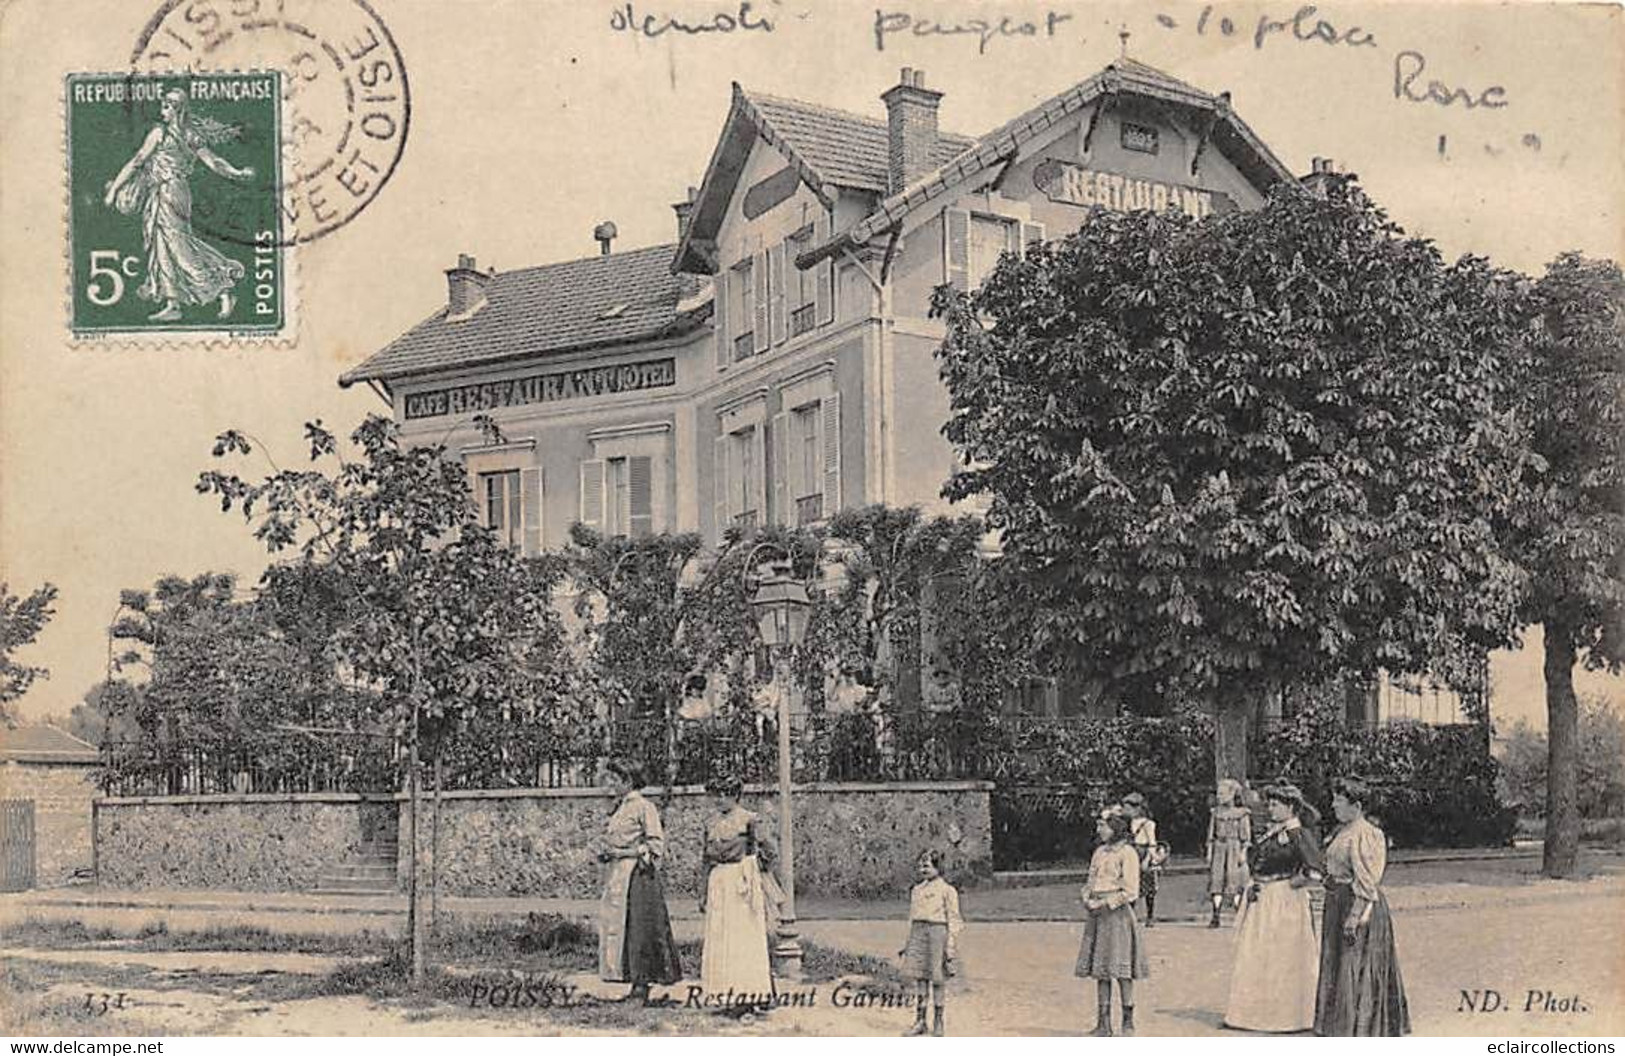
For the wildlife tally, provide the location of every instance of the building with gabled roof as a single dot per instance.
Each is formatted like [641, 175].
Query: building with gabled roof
[776, 363]
[47, 785]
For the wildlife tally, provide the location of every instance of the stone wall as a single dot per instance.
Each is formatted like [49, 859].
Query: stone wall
[241, 842]
[851, 840]
[62, 793]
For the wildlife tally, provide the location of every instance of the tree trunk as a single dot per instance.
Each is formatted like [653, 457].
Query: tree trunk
[415, 930]
[1563, 755]
[1230, 721]
[434, 843]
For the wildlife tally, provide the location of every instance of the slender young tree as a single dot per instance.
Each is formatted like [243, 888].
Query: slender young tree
[436, 614]
[1233, 454]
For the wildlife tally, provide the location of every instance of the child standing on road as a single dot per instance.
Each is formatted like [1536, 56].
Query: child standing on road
[1143, 833]
[1229, 834]
[1113, 941]
[934, 925]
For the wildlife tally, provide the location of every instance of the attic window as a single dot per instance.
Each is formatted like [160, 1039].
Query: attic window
[614, 311]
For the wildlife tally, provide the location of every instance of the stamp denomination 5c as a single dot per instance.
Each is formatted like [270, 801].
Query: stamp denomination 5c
[174, 219]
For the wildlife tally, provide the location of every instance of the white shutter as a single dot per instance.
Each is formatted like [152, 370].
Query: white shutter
[824, 274]
[531, 507]
[782, 498]
[764, 322]
[719, 476]
[719, 317]
[776, 294]
[1030, 233]
[956, 248]
[592, 494]
[830, 408]
[758, 485]
[640, 496]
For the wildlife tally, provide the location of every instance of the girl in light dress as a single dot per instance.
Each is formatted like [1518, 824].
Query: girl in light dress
[1229, 833]
[735, 967]
[1113, 944]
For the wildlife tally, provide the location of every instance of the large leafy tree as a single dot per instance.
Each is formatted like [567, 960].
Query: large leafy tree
[428, 608]
[1256, 450]
[1571, 529]
[21, 620]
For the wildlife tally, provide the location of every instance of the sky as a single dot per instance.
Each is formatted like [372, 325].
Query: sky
[531, 121]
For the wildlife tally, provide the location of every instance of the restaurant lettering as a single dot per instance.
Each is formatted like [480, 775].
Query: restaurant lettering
[544, 388]
[1075, 185]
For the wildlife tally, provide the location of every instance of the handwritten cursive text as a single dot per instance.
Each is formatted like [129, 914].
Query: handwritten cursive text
[627, 19]
[985, 30]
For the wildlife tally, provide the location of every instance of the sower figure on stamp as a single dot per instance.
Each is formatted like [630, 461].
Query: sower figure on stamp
[182, 269]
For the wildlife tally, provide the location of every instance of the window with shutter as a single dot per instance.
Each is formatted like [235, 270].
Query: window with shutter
[592, 494]
[503, 505]
[742, 316]
[531, 506]
[721, 309]
[990, 238]
[764, 323]
[720, 506]
[781, 483]
[777, 301]
[824, 277]
[640, 496]
[831, 438]
[956, 248]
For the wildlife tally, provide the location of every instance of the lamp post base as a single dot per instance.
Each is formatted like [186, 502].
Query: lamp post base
[787, 951]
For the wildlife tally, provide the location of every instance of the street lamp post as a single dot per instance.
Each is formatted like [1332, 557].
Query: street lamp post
[781, 608]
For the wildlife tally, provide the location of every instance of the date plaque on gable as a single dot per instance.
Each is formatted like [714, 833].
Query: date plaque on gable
[1141, 138]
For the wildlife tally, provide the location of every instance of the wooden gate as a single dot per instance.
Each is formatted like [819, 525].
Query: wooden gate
[16, 844]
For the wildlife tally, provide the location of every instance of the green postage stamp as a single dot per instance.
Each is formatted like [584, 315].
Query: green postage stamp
[175, 223]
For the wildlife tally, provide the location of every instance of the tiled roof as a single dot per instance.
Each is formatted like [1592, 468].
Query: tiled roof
[596, 301]
[842, 148]
[44, 744]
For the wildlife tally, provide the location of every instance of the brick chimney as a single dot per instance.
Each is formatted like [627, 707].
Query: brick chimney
[465, 288]
[911, 129]
[684, 210]
[1322, 174]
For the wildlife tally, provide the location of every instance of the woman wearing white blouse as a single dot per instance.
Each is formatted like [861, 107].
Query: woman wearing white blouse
[1361, 992]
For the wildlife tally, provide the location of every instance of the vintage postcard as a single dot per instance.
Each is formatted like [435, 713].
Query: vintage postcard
[697, 518]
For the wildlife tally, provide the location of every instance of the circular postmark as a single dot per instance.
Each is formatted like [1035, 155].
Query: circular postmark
[346, 106]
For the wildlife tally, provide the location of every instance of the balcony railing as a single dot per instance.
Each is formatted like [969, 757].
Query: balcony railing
[809, 510]
[803, 319]
[745, 518]
[744, 346]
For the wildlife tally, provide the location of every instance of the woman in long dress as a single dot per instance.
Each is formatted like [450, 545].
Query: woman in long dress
[635, 943]
[1113, 945]
[1229, 833]
[182, 269]
[1361, 992]
[1272, 982]
[735, 970]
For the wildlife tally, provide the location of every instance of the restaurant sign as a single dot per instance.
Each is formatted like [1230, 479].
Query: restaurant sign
[544, 388]
[1071, 184]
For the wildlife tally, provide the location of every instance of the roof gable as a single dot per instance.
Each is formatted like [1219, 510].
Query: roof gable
[616, 298]
[830, 149]
[1229, 133]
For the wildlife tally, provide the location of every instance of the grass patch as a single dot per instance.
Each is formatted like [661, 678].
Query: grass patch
[825, 964]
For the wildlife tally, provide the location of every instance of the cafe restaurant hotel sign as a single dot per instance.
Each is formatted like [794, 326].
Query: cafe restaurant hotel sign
[544, 388]
[1071, 184]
